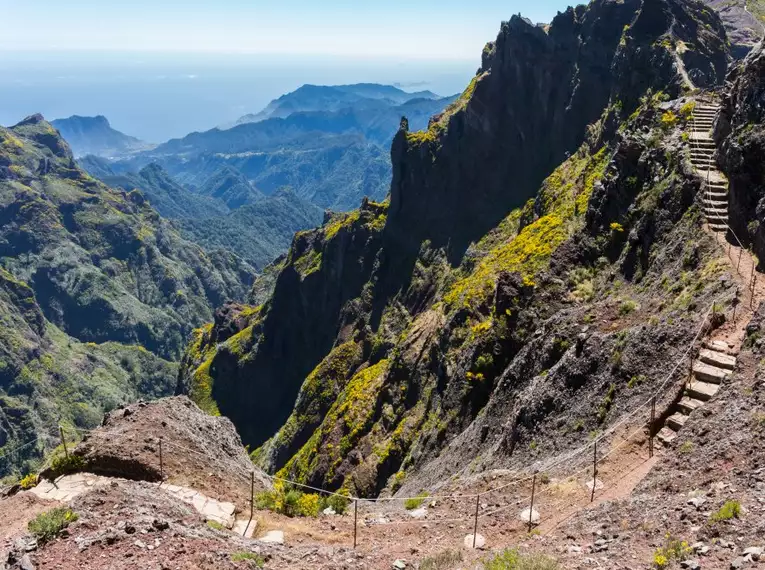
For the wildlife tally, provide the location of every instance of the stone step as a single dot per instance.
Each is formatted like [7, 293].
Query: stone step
[722, 218]
[718, 359]
[703, 391]
[666, 435]
[720, 346]
[677, 421]
[709, 373]
[716, 204]
[687, 405]
[717, 227]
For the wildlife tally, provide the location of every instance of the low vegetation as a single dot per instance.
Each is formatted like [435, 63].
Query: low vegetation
[47, 526]
[254, 560]
[513, 560]
[730, 510]
[295, 503]
[415, 502]
[446, 560]
[673, 551]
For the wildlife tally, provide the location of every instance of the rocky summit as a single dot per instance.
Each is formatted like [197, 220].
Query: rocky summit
[542, 349]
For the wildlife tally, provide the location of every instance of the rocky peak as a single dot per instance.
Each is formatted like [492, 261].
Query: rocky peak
[529, 105]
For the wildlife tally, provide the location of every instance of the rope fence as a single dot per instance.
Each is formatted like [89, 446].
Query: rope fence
[534, 491]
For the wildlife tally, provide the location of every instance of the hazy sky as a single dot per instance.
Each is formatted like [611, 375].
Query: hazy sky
[429, 29]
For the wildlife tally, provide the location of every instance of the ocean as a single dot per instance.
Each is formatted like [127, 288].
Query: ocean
[156, 97]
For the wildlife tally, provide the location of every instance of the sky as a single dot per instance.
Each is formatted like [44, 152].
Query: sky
[412, 29]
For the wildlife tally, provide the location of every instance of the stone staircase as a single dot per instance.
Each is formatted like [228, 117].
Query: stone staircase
[702, 157]
[714, 364]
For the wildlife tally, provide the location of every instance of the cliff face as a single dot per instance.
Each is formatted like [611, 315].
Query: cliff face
[453, 316]
[741, 139]
[529, 105]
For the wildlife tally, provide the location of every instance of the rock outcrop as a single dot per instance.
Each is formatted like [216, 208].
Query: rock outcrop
[740, 136]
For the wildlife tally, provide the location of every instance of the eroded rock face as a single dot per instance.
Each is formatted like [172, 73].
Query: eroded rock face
[741, 137]
[423, 367]
[529, 105]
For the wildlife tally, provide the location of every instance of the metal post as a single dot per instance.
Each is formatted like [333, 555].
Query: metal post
[355, 521]
[594, 469]
[63, 441]
[161, 462]
[475, 524]
[252, 502]
[650, 427]
[740, 251]
[531, 508]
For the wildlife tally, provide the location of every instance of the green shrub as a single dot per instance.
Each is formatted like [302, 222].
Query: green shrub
[46, 526]
[627, 307]
[63, 464]
[730, 510]
[446, 560]
[29, 482]
[291, 502]
[336, 503]
[673, 549]
[513, 560]
[254, 560]
[411, 504]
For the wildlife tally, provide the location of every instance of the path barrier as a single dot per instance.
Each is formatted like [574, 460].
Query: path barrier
[532, 484]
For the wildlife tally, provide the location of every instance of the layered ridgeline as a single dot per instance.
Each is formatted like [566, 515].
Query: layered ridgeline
[329, 144]
[94, 135]
[537, 265]
[98, 292]
[228, 212]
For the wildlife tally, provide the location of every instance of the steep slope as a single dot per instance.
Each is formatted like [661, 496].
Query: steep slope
[170, 199]
[83, 263]
[453, 326]
[257, 232]
[94, 135]
[743, 22]
[740, 135]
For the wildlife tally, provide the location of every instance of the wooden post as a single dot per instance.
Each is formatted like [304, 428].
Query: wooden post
[650, 427]
[355, 521]
[531, 508]
[475, 523]
[754, 286]
[161, 462]
[751, 276]
[63, 441]
[594, 469]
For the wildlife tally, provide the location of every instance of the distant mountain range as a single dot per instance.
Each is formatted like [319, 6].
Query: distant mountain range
[250, 186]
[334, 98]
[94, 135]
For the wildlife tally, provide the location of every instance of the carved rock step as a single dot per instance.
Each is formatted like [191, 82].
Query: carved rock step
[720, 346]
[677, 421]
[709, 373]
[666, 435]
[687, 404]
[703, 391]
[718, 359]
